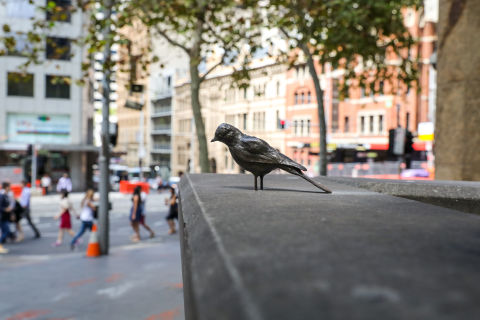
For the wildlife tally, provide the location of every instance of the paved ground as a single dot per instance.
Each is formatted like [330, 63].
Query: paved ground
[136, 281]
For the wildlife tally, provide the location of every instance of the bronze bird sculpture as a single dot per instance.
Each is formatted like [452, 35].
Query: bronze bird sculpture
[257, 156]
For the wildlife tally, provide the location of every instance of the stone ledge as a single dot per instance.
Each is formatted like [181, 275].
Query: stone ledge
[290, 252]
[459, 195]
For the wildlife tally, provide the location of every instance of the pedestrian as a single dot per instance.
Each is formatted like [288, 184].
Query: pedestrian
[143, 198]
[46, 182]
[136, 214]
[5, 210]
[64, 183]
[86, 216]
[173, 210]
[64, 216]
[24, 201]
[159, 183]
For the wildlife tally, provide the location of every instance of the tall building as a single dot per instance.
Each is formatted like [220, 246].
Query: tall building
[44, 107]
[133, 102]
[172, 66]
[257, 110]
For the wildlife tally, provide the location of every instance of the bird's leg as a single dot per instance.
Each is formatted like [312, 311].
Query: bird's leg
[261, 182]
[255, 177]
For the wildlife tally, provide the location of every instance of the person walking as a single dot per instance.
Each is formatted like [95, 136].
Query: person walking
[24, 202]
[86, 216]
[64, 216]
[143, 198]
[64, 183]
[5, 210]
[136, 214]
[46, 182]
[173, 210]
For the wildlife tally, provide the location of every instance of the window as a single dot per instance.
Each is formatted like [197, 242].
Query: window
[278, 88]
[347, 125]
[20, 9]
[244, 121]
[295, 125]
[244, 93]
[20, 45]
[296, 98]
[380, 123]
[362, 124]
[362, 92]
[58, 48]
[308, 127]
[278, 119]
[407, 120]
[61, 11]
[57, 87]
[381, 87]
[20, 84]
[302, 99]
[309, 97]
[169, 81]
[301, 127]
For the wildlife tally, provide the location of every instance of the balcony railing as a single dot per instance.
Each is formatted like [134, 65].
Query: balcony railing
[162, 129]
[162, 111]
[161, 148]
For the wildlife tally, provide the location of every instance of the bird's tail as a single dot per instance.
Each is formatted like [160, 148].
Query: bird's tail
[302, 175]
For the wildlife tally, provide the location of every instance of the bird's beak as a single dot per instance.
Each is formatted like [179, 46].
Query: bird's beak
[213, 140]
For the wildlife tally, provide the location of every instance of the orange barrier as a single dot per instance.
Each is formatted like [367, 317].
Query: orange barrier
[128, 187]
[93, 248]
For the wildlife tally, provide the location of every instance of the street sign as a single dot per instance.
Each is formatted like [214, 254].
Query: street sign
[133, 105]
[425, 131]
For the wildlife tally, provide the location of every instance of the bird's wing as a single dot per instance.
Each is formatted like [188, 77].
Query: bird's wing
[257, 150]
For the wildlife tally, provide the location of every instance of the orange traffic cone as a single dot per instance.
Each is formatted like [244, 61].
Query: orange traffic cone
[93, 248]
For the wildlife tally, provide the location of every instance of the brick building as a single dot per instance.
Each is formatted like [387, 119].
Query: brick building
[362, 120]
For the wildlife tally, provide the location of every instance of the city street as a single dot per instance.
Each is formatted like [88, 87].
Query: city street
[135, 281]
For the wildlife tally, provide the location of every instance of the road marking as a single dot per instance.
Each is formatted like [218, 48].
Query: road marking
[116, 291]
[29, 314]
[166, 315]
[60, 296]
[81, 282]
[114, 277]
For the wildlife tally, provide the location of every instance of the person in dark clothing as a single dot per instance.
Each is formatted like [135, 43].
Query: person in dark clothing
[5, 215]
[136, 214]
[173, 210]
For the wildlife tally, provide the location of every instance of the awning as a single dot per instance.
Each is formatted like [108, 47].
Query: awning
[50, 147]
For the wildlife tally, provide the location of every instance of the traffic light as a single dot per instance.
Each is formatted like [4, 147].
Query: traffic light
[408, 142]
[282, 124]
[113, 133]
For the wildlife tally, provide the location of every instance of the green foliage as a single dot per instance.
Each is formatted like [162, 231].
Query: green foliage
[350, 33]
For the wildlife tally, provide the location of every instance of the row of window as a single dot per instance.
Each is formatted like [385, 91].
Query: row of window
[56, 48]
[25, 9]
[374, 124]
[22, 85]
[302, 127]
[303, 97]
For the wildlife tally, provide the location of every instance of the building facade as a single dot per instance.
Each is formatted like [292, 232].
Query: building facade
[256, 110]
[43, 106]
[362, 120]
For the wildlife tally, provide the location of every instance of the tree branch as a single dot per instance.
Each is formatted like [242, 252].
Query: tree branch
[171, 41]
[204, 76]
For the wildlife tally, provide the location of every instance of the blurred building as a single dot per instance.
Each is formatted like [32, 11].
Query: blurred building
[133, 107]
[145, 132]
[358, 126]
[257, 110]
[172, 66]
[44, 107]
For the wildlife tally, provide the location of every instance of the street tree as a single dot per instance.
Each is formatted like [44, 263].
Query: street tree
[204, 30]
[358, 36]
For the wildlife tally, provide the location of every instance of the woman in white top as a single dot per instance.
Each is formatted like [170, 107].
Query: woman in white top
[64, 216]
[86, 216]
